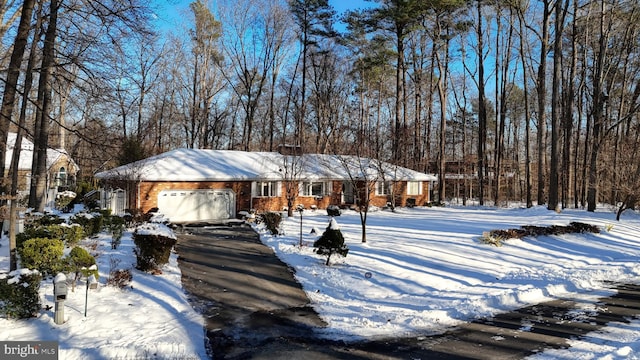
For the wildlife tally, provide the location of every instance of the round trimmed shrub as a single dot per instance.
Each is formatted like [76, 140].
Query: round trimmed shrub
[153, 246]
[81, 262]
[42, 254]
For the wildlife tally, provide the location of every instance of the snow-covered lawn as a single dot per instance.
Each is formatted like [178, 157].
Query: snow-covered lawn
[151, 319]
[425, 269]
[428, 271]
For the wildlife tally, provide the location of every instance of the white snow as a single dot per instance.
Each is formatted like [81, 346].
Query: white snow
[420, 271]
[150, 319]
[226, 165]
[155, 229]
[429, 269]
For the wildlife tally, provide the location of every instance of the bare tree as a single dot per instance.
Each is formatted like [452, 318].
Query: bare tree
[11, 83]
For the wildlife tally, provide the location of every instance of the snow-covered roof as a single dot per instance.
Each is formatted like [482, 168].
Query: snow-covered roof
[231, 165]
[26, 154]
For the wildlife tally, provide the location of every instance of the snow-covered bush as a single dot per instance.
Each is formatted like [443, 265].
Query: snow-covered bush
[333, 210]
[42, 254]
[153, 246]
[64, 199]
[331, 242]
[19, 293]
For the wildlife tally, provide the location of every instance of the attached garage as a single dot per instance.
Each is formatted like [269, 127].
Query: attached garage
[198, 185]
[182, 206]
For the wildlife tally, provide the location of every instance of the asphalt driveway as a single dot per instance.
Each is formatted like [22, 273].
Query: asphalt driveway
[255, 309]
[245, 292]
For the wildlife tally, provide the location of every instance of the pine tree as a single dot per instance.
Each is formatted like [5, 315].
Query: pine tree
[331, 242]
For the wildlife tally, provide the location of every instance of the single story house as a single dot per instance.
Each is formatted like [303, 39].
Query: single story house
[190, 185]
[61, 168]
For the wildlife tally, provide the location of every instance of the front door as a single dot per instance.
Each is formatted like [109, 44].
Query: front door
[348, 195]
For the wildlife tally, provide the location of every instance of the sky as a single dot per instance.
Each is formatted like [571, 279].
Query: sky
[172, 12]
[416, 275]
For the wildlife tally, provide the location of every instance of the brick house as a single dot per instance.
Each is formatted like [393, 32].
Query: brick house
[189, 185]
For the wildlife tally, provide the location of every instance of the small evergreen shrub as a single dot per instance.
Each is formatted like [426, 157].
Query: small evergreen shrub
[331, 242]
[64, 200]
[90, 222]
[31, 232]
[115, 226]
[44, 220]
[73, 234]
[81, 263]
[153, 246]
[19, 294]
[69, 234]
[272, 221]
[43, 254]
[333, 210]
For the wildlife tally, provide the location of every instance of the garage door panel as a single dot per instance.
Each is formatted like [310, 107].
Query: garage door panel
[196, 205]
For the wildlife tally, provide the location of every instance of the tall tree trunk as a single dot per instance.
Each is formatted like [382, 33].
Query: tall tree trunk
[482, 110]
[568, 117]
[442, 92]
[542, 101]
[15, 159]
[556, 107]
[37, 196]
[527, 119]
[10, 85]
[599, 100]
[396, 151]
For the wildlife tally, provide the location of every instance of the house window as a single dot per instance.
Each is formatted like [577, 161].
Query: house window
[383, 188]
[414, 188]
[311, 188]
[61, 178]
[266, 189]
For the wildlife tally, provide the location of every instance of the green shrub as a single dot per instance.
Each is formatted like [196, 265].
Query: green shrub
[70, 235]
[81, 263]
[31, 232]
[43, 254]
[90, 222]
[19, 294]
[44, 220]
[153, 246]
[115, 226]
[272, 221]
[331, 242]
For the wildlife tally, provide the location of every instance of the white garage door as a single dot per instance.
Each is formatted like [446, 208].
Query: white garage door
[182, 206]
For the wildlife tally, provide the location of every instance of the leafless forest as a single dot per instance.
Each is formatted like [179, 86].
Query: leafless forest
[522, 100]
